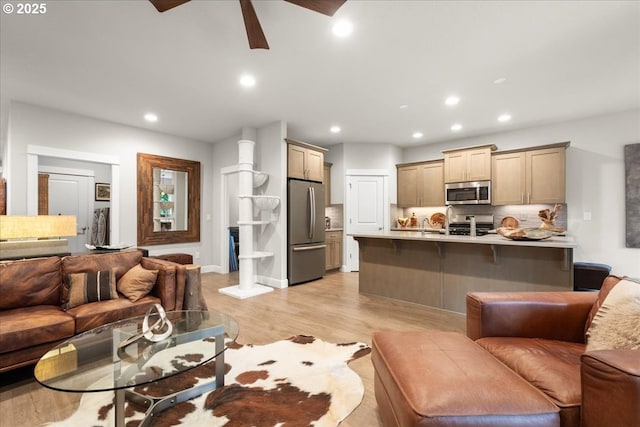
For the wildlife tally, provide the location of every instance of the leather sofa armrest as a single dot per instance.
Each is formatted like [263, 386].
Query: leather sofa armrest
[165, 287]
[549, 315]
[610, 388]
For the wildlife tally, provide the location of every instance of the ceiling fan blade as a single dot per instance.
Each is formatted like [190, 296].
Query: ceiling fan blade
[256, 37]
[326, 7]
[164, 5]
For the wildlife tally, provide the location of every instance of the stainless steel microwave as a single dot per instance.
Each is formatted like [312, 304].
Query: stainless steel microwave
[468, 193]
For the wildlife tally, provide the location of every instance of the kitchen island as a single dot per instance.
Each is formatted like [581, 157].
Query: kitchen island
[437, 270]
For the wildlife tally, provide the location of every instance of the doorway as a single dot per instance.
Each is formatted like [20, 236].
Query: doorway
[367, 208]
[35, 152]
[70, 194]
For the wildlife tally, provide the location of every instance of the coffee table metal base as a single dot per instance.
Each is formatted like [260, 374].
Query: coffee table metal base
[155, 405]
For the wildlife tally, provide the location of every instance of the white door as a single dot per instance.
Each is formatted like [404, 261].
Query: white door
[367, 210]
[72, 195]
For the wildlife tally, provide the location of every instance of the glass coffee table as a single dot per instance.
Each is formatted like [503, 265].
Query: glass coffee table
[133, 352]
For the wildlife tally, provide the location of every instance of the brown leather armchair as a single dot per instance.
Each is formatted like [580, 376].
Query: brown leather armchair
[541, 336]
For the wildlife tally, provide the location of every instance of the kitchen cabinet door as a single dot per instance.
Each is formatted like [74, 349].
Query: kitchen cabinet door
[432, 184]
[326, 180]
[333, 258]
[473, 164]
[508, 179]
[315, 165]
[305, 163]
[296, 162]
[421, 184]
[479, 164]
[455, 166]
[529, 177]
[546, 176]
[407, 181]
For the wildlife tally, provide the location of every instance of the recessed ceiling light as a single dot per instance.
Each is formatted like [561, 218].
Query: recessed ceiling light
[247, 80]
[342, 29]
[151, 117]
[456, 127]
[335, 129]
[504, 117]
[500, 80]
[452, 100]
[418, 135]
[404, 106]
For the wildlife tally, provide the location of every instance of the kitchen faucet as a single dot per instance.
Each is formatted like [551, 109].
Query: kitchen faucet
[447, 219]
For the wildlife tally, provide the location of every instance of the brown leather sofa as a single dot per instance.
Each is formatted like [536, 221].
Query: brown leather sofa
[32, 318]
[430, 378]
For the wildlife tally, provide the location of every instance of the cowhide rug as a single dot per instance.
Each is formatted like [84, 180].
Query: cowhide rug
[301, 381]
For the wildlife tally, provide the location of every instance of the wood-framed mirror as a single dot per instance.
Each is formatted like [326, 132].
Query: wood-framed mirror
[168, 200]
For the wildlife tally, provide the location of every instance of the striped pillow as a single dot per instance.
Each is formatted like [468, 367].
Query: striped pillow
[83, 288]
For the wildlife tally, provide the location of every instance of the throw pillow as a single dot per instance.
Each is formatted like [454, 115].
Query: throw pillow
[137, 282]
[617, 322]
[83, 288]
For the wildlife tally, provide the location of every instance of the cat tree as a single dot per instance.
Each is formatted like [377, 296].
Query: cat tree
[248, 179]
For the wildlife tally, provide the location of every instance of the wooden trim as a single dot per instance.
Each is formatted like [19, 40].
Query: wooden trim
[564, 145]
[305, 145]
[43, 194]
[3, 196]
[493, 147]
[146, 235]
[424, 162]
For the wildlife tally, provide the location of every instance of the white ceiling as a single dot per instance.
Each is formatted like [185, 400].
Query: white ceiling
[116, 60]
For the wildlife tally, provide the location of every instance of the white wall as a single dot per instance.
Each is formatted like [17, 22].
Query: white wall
[33, 125]
[335, 156]
[362, 156]
[595, 179]
[270, 156]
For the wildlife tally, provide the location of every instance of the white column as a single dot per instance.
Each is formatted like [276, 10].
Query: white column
[247, 287]
[245, 212]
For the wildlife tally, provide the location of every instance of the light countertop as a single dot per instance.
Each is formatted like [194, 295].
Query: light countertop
[489, 239]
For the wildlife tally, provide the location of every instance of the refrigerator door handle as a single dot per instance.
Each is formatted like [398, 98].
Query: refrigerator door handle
[313, 213]
[309, 248]
[310, 217]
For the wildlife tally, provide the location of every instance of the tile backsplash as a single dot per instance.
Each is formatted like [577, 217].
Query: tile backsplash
[527, 215]
[335, 214]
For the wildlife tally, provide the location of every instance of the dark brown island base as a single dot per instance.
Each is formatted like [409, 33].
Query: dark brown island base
[438, 270]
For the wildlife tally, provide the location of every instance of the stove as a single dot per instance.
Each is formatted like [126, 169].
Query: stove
[461, 225]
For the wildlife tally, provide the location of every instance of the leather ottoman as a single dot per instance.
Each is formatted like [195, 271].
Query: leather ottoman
[433, 378]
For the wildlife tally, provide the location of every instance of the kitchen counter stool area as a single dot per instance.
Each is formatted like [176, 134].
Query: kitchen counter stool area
[439, 271]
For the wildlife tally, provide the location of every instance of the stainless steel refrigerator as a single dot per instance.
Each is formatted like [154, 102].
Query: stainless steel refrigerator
[306, 231]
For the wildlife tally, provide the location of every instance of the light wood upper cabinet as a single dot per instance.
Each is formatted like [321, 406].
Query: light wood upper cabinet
[327, 183]
[305, 163]
[529, 177]
[432, 191]
[407, 180]
[296, 162]
[546, 180]
[509, 179]
[421, 184]
[469, 164]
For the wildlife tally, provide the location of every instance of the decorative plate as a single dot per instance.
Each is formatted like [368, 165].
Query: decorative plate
[525, 233]
[437, 220]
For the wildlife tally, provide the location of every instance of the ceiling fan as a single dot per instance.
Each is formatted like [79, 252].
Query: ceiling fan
[257, 39]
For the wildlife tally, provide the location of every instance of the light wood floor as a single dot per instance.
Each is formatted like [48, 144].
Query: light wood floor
[330, 309]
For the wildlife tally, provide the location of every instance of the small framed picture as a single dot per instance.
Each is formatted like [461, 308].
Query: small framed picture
[103, 192]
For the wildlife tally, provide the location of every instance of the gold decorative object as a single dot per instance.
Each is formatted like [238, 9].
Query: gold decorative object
[403, 222]
[548, 217]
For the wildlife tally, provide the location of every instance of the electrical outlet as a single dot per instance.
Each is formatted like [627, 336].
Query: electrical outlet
[586, 216]
[197, 255]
